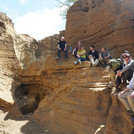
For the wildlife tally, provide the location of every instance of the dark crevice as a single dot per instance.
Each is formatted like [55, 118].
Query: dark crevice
[132, 19]
[84, 31]
[86, 9]
[28, 97]
[2, 25]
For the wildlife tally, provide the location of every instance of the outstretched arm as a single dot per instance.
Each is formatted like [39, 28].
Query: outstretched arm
[125, 90]
[100, 56]
[73, 51]
[82, 53]
[107, 56]
[127, 67]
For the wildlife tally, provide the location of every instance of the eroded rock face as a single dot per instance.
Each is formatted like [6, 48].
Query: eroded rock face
[107, 23]
[48, 45]
[22, 47]
[16, 52]
[81, 104]
[25, 49]
[64, 98]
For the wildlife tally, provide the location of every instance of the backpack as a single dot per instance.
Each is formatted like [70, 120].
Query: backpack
[115, 63]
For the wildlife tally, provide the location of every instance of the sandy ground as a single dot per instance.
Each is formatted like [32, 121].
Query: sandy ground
[9, 124]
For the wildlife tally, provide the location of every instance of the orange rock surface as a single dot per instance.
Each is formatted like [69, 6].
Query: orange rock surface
[60, 97]
[108, 23]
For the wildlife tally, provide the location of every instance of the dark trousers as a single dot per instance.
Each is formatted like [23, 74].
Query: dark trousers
[127, 75]
[81, 59]
[75, 54]
[65, 51]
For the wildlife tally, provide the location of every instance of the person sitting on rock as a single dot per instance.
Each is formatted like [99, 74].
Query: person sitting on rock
[127, 96]
[104, 56]
[125, 52]
[93, 56]
[81, 55]
[62, 46]
[75, 50]
[126, 75]
[113, 66]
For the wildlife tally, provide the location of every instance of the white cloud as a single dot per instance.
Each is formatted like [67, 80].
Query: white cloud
[22, 1]
[40, 24]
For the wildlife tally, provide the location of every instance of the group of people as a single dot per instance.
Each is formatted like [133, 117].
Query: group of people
[80, 53]
[124, 73]
[93, 55]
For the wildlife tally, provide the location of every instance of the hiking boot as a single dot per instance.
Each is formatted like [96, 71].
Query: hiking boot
[79, 61]
[130, 113]
[75, 62]
[115, 90]
[57, 58]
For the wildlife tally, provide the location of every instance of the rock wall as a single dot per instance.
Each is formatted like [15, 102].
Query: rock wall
[16, 52]
[81, 104]
[62, 97]
[107, 23]
[48, 45]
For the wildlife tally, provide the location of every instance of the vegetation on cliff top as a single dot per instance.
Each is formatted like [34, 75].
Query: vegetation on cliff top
[64, 5]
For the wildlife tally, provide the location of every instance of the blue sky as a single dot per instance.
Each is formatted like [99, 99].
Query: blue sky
[38, 18]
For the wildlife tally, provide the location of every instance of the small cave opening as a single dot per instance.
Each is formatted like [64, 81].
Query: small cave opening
[84, 31]
[85, 9]
[28, 97]
[2, 24]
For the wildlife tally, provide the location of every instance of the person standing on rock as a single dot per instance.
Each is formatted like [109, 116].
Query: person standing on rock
[93, 56]
[62, 46]
[127, 96]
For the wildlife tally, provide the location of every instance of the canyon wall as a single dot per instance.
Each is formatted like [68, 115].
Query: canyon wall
[62, 97]
[16, 52]
[108, 23]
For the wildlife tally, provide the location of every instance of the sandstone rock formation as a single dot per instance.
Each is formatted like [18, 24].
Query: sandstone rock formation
[107, 23]
[48, 46]
[61, 97]
[16, 51]
[81, 104]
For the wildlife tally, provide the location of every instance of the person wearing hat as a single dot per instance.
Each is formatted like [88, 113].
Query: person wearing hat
[93, 56]
[125, 52]
[127, 59]
[125, 75]
[127, 95]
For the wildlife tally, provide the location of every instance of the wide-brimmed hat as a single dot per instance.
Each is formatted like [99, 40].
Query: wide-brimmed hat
[126, 55]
